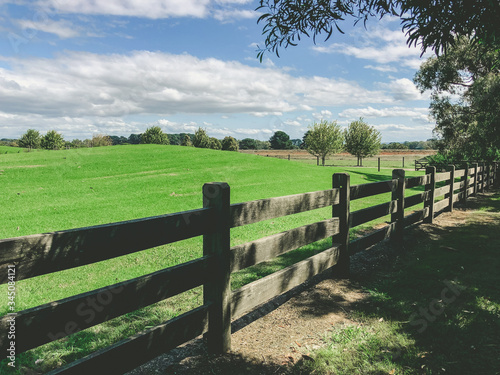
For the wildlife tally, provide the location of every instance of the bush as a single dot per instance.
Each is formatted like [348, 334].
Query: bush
[52, 141]
[229, 144]
[154, 135]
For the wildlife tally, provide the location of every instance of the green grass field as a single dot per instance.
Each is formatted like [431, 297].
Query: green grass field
[54, 190]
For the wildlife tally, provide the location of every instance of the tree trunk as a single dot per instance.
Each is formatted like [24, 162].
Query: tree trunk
[323, 160]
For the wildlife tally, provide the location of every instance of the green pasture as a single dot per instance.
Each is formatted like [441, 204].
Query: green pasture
[47, 191]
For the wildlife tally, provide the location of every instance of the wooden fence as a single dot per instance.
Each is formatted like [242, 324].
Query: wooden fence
[51, 252]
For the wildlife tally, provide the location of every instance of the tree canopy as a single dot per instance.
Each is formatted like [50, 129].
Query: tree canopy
[154, 135]
[30, 140]
[229, 144]
[362, 140]
[324, 138]
[201, 139]
[52, 140]
[432, 24]
[465, 99]
[280, 141]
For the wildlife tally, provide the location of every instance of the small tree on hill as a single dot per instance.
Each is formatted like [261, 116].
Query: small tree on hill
[281, 141]
[215, 144]
[229, 144]
[201, 139]
[154, 135]
[323, 139]
[362, 140]
[30, 140]
[52, 141]
[99, 140]
[186, 140]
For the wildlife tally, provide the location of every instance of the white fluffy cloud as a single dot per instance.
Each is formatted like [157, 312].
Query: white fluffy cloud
[86, 84]
[81, 90]
[380, 45]
[63, 29]
[420, 114]
[154, 9]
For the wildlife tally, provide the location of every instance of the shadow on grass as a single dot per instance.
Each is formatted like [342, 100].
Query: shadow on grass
[441, 293]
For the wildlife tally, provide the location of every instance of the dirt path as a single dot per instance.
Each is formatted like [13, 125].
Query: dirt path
[286, 329]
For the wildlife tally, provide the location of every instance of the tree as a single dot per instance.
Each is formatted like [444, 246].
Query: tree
[30, 140]
[77, 143]
[186, 140]
[361, 140]
[229, 144]
[214, 144]
[154, 135]
[248, 144]
[432, 24]
[465, 100]
[52, 141]
[134, 139]
[324, 138]
[201, 139]
[99, 140]
[280, 141]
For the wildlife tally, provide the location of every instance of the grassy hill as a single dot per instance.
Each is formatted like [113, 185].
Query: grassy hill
[55, 190]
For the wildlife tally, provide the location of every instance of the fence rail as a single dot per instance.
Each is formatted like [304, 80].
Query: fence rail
[52, 252]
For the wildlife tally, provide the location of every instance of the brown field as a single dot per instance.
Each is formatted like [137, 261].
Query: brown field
[388, 158]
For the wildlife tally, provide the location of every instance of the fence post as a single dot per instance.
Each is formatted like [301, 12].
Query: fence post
[496, 180]
[488, 176]
[452, 182]
[399, 195]
[403, 161]
[342, 181]
[481, 190]
[217, 291]
[466, 184]
[430, 187]
[379, 164]
[475, 179]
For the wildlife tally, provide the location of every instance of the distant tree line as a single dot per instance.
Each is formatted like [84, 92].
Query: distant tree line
[321, 139]
[430, 144]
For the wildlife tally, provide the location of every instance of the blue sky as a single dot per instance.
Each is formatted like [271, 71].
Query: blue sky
[117, 67]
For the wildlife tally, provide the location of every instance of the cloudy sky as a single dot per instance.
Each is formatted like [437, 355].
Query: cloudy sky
[117, 67]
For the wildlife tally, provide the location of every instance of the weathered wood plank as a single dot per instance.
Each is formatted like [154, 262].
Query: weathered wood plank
[342, 181]
[459, 173]
[416, 199]
[443, 176]
[264, 209]
[441, 191]
[251, 253]
[416, 216]
[374, 188]
[442, 204]
[456, 197]
[370, 239]
[142, 347]
[458, 185]
[217, 290]
[416, 181]
[470, 190]
[431, 188]
[371, 213]
[50, 252]
[55, 320]
[260, 291]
